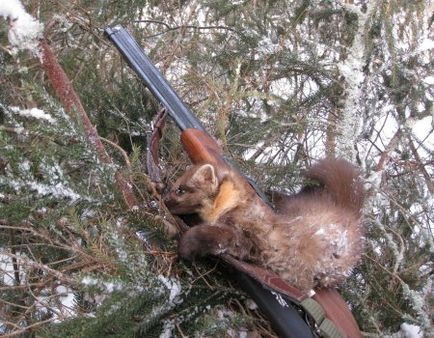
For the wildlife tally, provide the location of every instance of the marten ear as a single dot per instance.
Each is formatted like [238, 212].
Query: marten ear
[205, 175]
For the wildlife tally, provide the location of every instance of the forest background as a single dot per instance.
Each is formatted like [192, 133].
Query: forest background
[280, 84]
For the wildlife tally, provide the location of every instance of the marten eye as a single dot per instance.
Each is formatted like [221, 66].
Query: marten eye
[179, 191]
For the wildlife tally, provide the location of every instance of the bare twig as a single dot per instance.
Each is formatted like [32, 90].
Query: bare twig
[27, 328]
[122, 152]
[428, 180]
[385, 156]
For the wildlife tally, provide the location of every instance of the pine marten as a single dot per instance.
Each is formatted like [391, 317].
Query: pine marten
[314, 241]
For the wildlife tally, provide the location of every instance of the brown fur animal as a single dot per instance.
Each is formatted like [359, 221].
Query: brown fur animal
[316, 242]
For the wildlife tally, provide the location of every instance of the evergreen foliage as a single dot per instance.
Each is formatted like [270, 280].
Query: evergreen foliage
[280, 84]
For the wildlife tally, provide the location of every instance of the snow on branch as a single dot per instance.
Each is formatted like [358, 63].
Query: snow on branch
[351, 69]
[35, 113]
[25, 31]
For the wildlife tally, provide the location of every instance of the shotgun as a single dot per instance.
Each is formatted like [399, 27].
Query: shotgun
[274, 301]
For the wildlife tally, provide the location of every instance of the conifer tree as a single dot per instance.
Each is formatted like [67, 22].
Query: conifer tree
[280, 84]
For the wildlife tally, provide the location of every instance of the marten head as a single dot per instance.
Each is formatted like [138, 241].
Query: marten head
[194, 191]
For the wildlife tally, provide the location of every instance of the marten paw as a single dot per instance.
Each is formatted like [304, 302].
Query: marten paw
[200, 241]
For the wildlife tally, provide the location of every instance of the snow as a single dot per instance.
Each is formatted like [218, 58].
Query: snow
[25, 31]
[426, 44]
[63, 309]
[429, 80]
[251, 305]
[168, 327]
[337, 238]
[24, 166]
[35, 113]
[417, 301]
[282, 88]
[351, 69]
[67, 300]
[7, 270]
[174, 287]
[266, 46]
[60, 305]
[411, 331]
[423, 130]
[58, 190]
[387, 126]
[320, 232]
[104, 288]
[243, 334]
[107, 286]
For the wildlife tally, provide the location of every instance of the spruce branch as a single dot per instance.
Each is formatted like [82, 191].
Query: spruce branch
[27, 328]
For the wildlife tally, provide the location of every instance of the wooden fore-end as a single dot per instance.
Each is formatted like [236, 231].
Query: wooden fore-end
[201, 148]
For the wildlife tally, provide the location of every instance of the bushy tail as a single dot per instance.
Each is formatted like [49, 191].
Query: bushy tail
[341, 180]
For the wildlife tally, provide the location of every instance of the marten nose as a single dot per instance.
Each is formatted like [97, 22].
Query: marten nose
[167, 197]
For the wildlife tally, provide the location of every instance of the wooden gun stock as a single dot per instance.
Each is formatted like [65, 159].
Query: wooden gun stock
[202, 148]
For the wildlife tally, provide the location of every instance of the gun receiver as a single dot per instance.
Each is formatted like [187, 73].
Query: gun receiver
[201, 147]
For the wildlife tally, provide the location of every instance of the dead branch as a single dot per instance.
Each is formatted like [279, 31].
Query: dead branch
[72, 103]
[152, 158]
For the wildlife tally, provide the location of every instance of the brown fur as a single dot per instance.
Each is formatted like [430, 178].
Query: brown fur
[314, 241]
